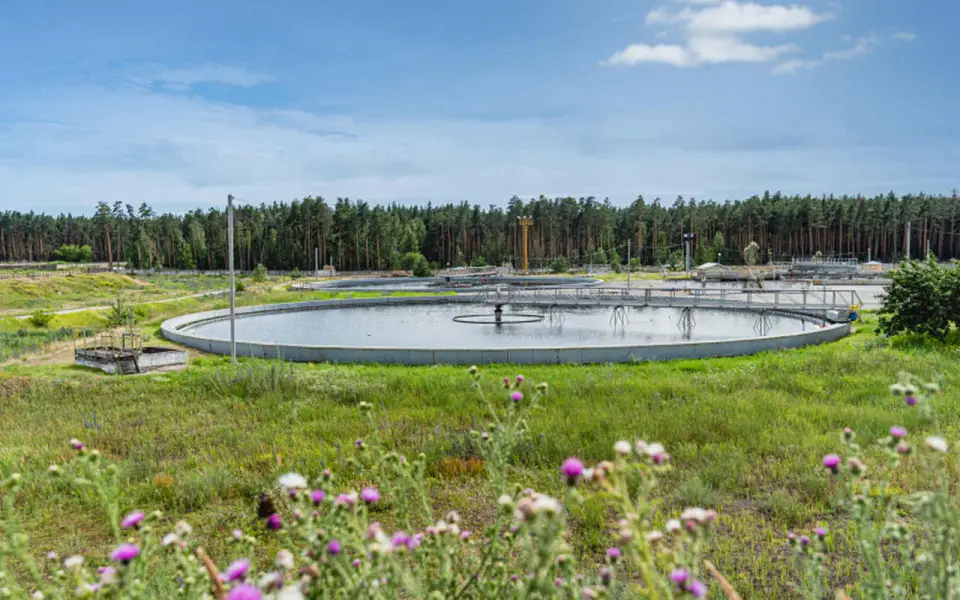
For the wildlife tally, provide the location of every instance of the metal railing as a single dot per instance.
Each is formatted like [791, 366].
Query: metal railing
[803, 300]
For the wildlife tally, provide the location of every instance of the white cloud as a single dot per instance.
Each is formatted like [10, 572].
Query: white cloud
[712, 30]
[860, 47]
[905, 36]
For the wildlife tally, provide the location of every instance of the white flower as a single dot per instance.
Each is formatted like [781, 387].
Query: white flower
[694, 514]
[183, 528]
[588, 474]
[673, 526]
[622, 448]
[169, 539]
[293, 482]
[270, 580]
[73, 562]
[284, 559]
[654, 537]
[640, 447]
[546, 504]
[291, 592]
[505, 500]
[37, 595]
[936, 443]
[654, 449]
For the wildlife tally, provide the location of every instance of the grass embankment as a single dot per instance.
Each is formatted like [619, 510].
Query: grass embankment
[23, 295]
[746, 436]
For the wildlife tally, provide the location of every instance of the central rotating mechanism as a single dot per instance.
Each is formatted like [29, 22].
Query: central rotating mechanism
[499, 318]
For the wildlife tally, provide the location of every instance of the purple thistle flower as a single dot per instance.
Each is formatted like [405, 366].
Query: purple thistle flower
[804, 540]
[613, 553]
[133, 520]
[401, 539]
[572, 469]
[559, 581]
[516, 396]
[821, 532]
[697, 589]
[334, 547]
[356, 563]
[910, 399]
[125, 553]
[519, 379]
[238, 534]
[898, 432]
[660, 458]
[273, 522]
[317, 496]
[237, 570]
[244, 592]
[832, 462]
[679, 577]
[359, 444]
[370, 495]
[77, 444]
[506, 382]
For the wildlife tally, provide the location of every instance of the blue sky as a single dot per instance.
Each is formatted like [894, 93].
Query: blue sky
[180, 103]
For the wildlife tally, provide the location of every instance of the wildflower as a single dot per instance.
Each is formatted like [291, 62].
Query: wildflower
[244, 592]
[169, 540]
[898, 389]
[546, 504]
[356, 563]
[821, 532]
[697, 589]
[108, 575]
[654, 536]
[506, 383]
[936, 443]
[606, 575]
[898, 433]
[401, 539]
[519, 379]
[132, 520]
[661, 458]
[848, 434]
[465, 535]
[559, 581]
[931, 388]
[334, 547]
[542, 386]
[694, 514]
[237, 534]
[284, 559]
[516, 396]
[346, 499]
[831, 462]
[613, 554]
[856, 466]
[293, 482]
[273, 522]
[270, 580]
[679, 577]
[182, 528]
[317, 496]
[804, 540]
[360, 444]
[291, 592]
[654, 449]
[125, 553]
[73, 562]
[622, 448]
[473, 370]
[53, 470]
[673, 526]
[370, 495]
[76, 444]
[51, 555]
[237, 570]
[910, 400]
[572, 469]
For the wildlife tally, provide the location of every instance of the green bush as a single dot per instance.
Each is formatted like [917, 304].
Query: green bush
[295, 273]
[239, 286]
[560, 266]
[922, 297]
[40, 319]
[73, 253]
[416, 263]
[259, 273]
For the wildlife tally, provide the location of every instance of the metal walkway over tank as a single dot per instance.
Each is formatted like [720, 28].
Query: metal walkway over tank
[831, 304]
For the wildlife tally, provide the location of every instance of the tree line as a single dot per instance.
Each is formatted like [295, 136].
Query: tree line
[355, 235]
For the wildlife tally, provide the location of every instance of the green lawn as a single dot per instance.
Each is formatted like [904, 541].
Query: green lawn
[746, 436]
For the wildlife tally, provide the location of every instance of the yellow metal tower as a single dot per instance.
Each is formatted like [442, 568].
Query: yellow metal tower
[525, 223]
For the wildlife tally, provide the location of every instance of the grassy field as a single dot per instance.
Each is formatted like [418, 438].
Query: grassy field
[22, 295]
[746, 436]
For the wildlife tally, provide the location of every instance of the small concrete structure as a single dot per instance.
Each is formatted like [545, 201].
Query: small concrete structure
[126, 361]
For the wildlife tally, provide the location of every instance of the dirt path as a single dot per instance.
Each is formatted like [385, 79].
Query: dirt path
[68, 311]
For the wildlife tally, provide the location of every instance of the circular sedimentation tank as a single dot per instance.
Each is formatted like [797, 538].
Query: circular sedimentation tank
[465, 329]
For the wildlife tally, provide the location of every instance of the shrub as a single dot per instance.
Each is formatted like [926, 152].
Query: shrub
[416, 263]
[634, 264]
[120, 314]
[259, 273]
[239, 286]
[751, 254]
[74, 254]
[920, 298]
[41, 319]
[559, 266]
[295, 273]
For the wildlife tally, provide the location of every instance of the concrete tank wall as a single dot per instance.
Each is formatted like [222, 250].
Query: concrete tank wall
[173, 330]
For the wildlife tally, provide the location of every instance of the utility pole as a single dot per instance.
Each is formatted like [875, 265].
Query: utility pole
[868, 253]
[525, 223]
[316, 261]
[628, 263]
[233, 289]
[686, 247]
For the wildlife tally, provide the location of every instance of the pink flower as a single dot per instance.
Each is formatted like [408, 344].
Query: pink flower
[274, 522]
[132, 520]
[237, 570]
[370, 495]
[244, 592]
[125, 553]
[516, 396]
[572, 469]
[832, 462]
[317, 496]
[334, 547]
[898, 432]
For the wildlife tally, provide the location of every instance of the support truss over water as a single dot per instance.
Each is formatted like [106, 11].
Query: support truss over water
[834, 305]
